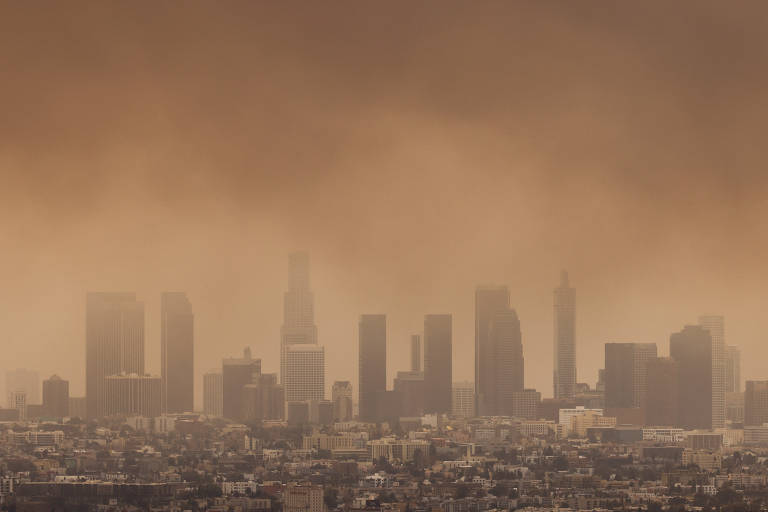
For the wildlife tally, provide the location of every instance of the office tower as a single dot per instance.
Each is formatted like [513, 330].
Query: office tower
[298, 310]
[715, 324]
[114, 343]
[264, 399]
[304, 372]
[438, 363]
[734, 407]
[56, 397]
[463, 399]
[341, 394]
[756, 403]
[732, 369]
[321, 412]
[236, 372]
[24, 380]
[213, 394]
[508, 368]
[297, 413]
[488, 301]
[625, 374]
[177, 352]
[525, 404]
[565, 339]
[691, 349]
[372, 365]
[411, 386]
[416, 353]
[131, 394]
[18, 400]
[78, 407]
[661, 397]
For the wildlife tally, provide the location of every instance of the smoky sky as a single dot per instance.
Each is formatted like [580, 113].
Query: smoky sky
[416, 149]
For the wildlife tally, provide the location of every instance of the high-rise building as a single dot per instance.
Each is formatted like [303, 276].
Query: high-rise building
[732, 369]
[304, 372]
[525, 404]
[756, 403]
[321, 412]
[661, 397]
[236, 372]
[298, 309]
[416, 353]
[303, 498]
[372, 367]
[114, 343]
[24, 380]
[131, 394]
[564, 339]
[508, 368]
[411, 387]
[691, 349]
[56, 397]
[463, 399]
[264, 399]
[213, 394]
[488, 301]
[18, 400]
[438, 363]
[341, 395]
[177, 352]
[715, 324]
[625, 374]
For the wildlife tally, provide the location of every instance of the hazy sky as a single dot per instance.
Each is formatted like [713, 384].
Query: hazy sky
[415, 149]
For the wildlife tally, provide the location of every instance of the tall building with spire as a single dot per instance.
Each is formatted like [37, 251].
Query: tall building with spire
[299, 329]
[715, 324]
[114, 344]
[564, 380]
[176, 353]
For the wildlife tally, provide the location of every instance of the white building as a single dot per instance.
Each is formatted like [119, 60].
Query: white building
[566, 415]
[715, 324]
[304, 372]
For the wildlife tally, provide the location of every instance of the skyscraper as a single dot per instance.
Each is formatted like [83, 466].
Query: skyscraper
[372, 366]
[488, 301]
[114, 343]
[564, 339]
[756, 403]
[732, 369]
[132, 395]
[213, 394]
[298, 308]
[691, 349]
[341, 394]
[508, 369]
[416, 353]
[625, 374]
[438, 363]
[56, 397]
[410, 386]
[463, 399]
[177, 352]
[715, 324]
[662, 389]
[264, 399]
[304, 372]
[236, 372]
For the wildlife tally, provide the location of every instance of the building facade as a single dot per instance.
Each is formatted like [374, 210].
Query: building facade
[56, 397]
[341, 395]
[715, 324]
[626, 374]
[177, 347]
[133, 395]
[691, 349]
[564, 378]
[237, 372]
[756, 403]
[372, 366]
[438, 363]
[213, 394]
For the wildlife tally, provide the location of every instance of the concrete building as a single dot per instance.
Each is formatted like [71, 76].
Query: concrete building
[509, 373]
[303, 498]
[17, 400]
[691, 349]
[264, 399]
[298, 310]
[438, 363]
[177, 348]
[525, 404]
[756, 403]
[304, 372]
[463, 399]
[488, 301]
[130, 394]
[732, 369]
[24, 380]
[626, 366]
[341, 395]
[213, 394]
[715, 324]
[416, 353]
[372, 367]
[662, 389]
[236, 373]
[56, 397]
[411, 387]
[564, 339]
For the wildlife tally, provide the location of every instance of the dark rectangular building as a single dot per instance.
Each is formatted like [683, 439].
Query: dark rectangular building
[372, 368]
[662, 393]
[756, 403]
[177, 352]
[691, 349]
[56, 397]
[438, 363]
[236, 374]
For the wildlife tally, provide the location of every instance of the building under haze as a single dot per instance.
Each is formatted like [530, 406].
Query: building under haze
[341, 395]
[114, 344]
[298, 310]
[237, 372]
[732, 369]
[177, 352]
[756, 403]
[508, 368]
[438, 363]
[489, 300]
[372, 364]
[264, 399]
[715, 324]
[304, 372]
[661, 395]
[691, 349]
[24, 380]
[416, 352]
[213, 394]
[626, 374]
[411, 387]
[564, 381]
[463, 399]
[56, 397]
[18, 400]
[132, 395]
[525, 404]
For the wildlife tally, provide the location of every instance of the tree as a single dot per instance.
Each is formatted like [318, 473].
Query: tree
[331, 497]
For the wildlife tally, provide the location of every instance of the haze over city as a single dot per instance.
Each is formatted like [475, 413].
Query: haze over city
[415, 151]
